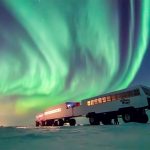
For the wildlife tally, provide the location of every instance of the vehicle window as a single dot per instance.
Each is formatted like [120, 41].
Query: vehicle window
[88, 103]
[108, 98]
[104, 99]
[95, 101]
[99, 100]
[136, 92]
[146, 91]
[113, 97]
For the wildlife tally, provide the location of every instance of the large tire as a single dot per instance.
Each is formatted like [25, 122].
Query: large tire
[37, 124]
[127, 117]
[72, 122]
[107, 121]
[143, 118]
[94, 121]
[60, 122]
[49, 122]
[42, 123]
[55, 123]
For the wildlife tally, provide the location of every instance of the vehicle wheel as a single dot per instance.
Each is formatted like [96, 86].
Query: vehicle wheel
[49, 122]
[55, 123]
[94, 121]
[142, 118]
[46, 123]
[42, 123]
[127, 117]
[37, 124]
[60, 122]
[107, 121]
[72, 122]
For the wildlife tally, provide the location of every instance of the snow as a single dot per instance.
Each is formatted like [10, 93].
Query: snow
[128, 136]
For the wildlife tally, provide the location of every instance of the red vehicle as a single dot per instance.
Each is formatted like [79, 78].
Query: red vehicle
[58, 115]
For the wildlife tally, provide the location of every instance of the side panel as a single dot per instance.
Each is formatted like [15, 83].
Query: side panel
[136, 102]
[59, 111]
[79, 111]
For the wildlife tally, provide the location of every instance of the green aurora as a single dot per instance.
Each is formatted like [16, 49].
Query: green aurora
[68, 50]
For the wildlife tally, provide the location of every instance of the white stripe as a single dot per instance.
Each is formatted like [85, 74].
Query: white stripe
[52, 111]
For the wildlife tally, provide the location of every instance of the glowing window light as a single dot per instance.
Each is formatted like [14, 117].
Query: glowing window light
[95, 102]
[99, 100]
[88, 103]
[92, 102]
[104, 99]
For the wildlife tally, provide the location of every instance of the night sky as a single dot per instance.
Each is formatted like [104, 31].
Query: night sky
[52, 51]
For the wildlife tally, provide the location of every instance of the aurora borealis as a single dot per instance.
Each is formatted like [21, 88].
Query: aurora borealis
[53, 51]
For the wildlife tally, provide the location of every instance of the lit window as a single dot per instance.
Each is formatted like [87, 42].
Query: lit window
[113, 97]
[99, 100]
[95, 101]
[88, 103]
[104, 99]
[108, 98]
[92, 102]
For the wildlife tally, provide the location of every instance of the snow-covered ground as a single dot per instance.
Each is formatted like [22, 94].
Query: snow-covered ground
[131, 136]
